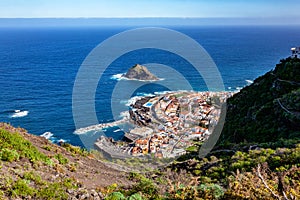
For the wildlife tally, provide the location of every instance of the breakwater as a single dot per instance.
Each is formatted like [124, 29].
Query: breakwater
[100, 126]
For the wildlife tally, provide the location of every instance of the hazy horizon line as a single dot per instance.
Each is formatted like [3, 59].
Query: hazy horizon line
[133, 21]
[131, 17]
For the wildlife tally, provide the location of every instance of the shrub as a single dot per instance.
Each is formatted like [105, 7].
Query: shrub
[213, 191]
[23, 147]
[21, 189]
[47, 147]
[135, 196]
[9, 155]
[115, 196]
[144, 185]
[61, 159]
[52, 191]
[31, 176]
[75, 150]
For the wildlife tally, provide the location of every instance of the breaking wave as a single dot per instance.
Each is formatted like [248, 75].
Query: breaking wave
[47, 135]
[19, 113]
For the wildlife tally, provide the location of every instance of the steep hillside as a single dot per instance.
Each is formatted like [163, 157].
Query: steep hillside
[268, 109]
[34, 168]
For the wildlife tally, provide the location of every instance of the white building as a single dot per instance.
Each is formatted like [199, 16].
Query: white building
[295, 52]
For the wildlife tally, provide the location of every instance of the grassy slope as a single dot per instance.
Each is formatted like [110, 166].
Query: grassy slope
[32, 166]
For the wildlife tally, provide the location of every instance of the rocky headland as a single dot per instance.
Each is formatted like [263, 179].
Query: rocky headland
[140, 72]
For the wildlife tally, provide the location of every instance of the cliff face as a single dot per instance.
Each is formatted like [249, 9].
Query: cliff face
[268, 109]
[140, 72]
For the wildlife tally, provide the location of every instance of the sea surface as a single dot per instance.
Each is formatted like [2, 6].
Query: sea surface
[38, 67]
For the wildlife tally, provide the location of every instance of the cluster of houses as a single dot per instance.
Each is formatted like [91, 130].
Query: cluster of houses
[153, 144]
[181, 117]
[167, 125]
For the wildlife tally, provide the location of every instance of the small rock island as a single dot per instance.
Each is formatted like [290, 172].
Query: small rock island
[140, 72]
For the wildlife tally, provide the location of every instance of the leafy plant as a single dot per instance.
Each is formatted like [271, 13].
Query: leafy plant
[13, 146]
[21, 189]
[9, 155]
[115, 196]
[75, 150]
[61, 159]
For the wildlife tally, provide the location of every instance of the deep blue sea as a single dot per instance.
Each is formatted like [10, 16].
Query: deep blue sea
[38, 67]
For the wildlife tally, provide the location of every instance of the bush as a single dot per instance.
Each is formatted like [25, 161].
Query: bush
[75, 150]
[20, 146]
[144, 186]
[31, 176]
[135, 196]
[52, 191]
[61, 159]
[213, 191]
[115, 196]
[21, 189]
[9, 155]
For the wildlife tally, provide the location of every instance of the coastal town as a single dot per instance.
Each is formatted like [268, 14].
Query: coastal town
[165, 125]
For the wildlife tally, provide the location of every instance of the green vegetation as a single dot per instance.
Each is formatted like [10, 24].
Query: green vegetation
[32, 185]
[61, 159]
[268, 109]
[9, 155]
[20, 188]
[14, 147]
[23, 180]
[74, 150]
[261, 173]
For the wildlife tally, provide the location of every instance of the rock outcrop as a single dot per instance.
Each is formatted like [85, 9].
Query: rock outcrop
[140, 72]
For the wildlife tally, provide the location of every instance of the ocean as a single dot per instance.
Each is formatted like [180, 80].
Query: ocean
[38, 67]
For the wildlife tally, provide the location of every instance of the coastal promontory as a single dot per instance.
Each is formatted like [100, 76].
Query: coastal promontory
[140, 72]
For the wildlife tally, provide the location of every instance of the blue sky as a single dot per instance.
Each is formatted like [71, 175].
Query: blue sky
[150, 8]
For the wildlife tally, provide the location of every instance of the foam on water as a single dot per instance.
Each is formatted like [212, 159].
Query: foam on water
[162, 92]
[144, 94]
[238, 88]
[61, 141]
[19, 113]
[132, 100]
[117, 77]
[249, 81]
[124, 114]
[50, 136]
[47, 135]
